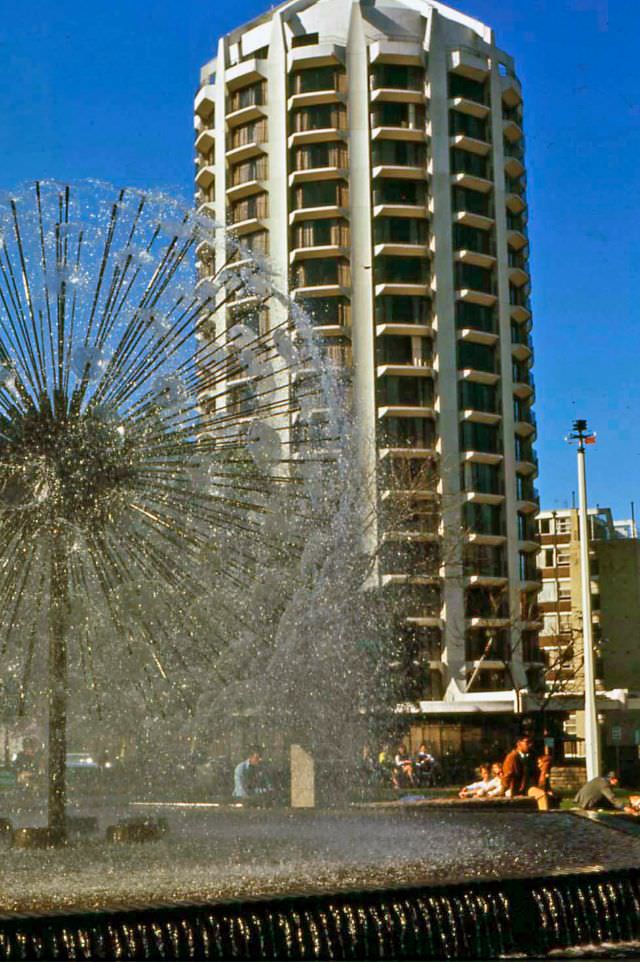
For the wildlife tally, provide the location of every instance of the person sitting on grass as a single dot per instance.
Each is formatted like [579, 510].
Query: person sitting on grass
[521, 774]
[479, 788]
[424, 766]
[402, 774]
[495, 788]
[598, 794]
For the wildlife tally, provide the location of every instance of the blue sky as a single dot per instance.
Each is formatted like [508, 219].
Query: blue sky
[105, 90]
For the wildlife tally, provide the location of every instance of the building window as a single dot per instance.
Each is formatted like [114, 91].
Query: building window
[402, 309]
[406, 391]
[407, 433]
[397, 77]
[312, 79]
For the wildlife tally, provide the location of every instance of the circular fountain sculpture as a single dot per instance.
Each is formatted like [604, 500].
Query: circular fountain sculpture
[114, 418]
[181, 524]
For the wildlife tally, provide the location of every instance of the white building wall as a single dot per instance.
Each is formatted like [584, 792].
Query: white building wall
[478, 527]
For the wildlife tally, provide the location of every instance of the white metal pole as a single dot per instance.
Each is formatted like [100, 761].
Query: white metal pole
[592, 738]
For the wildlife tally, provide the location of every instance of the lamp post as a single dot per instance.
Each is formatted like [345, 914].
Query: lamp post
[582, 436]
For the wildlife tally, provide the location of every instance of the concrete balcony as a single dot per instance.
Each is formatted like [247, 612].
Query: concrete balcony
[519, 312]
[516, 203]
[478, 337]
[405, 370]
[481, 538]
[470, 144]
[401, 210]
[317, 136]
[481, 457]
[205, 101]
[471, 182]
[207, 207]
[476, 297]
[526, 467]
[518, 276]
[468, 63]
[511, 90]
[491, 664]
[321, 251]
[247, 226]
[403, 288]
[394, 95]
[399, 172]
[471, 219]
[478, 377]
[205, 139]
[317, 173]
[522, 352]
[405, 411]
[525, 429]
[527, 507]
[475, 257]
[528, 545]
[513, 166]
[428, 621]
[244, 115]
[407, 451]
[397, 51]
[524, 388]
[245, 189]
[470, 107]
[409, 579]
[517, 239]
[331, 330]
[410, 537]
[401, 250]
[482, 497]
[315, 55]
[480, 417]
[205, 176]
[245, 73]
[253, 148]
[321, 290]
[530, 584]
[411, 330]
[416, 134]
[485, 581]
[243, 303]
[512, 131]
[482, 621]
[317, 213]
[424, 494]
[314, 97]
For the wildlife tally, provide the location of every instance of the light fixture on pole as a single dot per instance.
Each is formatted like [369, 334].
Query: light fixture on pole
[582, 436]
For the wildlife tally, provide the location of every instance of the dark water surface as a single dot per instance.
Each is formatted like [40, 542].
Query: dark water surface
[359, 884]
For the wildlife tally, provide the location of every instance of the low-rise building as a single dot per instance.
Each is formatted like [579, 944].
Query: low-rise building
[614, 563]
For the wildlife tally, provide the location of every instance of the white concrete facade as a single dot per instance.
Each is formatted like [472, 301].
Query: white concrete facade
[374, 149]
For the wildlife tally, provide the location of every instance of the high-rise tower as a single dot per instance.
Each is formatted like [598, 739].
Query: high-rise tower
[374, 150]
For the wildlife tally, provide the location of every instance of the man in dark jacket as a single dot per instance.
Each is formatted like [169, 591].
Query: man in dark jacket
[598, 793]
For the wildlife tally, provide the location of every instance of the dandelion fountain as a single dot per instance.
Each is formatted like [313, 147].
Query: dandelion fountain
[179, 508]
